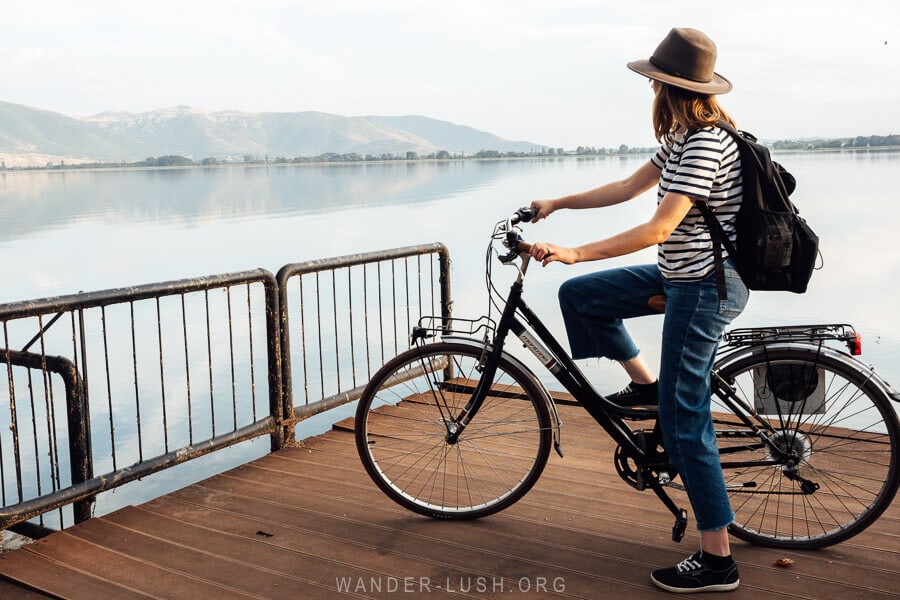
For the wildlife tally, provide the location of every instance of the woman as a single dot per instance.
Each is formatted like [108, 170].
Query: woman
[698, 162]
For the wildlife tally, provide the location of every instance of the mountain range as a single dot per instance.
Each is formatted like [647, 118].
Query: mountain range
[35, 137]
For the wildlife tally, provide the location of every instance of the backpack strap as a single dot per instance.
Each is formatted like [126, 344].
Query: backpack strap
[719, 239]
[716, 233]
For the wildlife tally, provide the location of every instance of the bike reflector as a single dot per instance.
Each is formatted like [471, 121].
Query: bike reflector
[855, 344]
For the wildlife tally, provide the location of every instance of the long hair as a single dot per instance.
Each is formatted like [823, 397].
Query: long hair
[676, 109]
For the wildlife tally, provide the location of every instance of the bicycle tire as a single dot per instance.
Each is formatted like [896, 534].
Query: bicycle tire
[829, 418]
[401, 433]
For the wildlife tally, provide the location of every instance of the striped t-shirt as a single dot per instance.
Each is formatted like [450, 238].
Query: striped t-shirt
[707, 167]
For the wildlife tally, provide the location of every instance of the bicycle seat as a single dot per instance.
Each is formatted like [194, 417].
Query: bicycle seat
[657, 302]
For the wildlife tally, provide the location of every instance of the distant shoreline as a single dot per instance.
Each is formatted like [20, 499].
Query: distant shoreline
[94, 166]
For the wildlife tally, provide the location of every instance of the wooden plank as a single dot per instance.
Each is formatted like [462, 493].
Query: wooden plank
[10, 591]
[307, 522]
[585, 472]
[884, 558]
[58, 579]
[618, 540]
[200, 554]
[130, 576]
[324, 555]
[397, 536]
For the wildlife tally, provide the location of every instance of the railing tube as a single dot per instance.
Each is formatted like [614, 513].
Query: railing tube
[277, 408]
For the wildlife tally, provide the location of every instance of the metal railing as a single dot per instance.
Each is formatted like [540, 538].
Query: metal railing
[133, 381]
[342, 318]
[153, 376]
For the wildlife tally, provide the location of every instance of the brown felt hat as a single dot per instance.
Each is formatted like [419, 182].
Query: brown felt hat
[686, 58]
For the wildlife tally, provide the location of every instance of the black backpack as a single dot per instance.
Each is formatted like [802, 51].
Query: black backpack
[775, 248]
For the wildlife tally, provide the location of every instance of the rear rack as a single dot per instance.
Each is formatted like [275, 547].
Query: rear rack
[755, 336]
[430, 326]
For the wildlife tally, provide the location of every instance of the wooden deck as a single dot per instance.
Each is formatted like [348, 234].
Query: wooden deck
[307, 523]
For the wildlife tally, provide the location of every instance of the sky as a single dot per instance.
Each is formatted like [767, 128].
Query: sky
[546, 72]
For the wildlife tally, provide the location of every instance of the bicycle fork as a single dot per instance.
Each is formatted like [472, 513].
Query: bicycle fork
[490, 359]
[456, 425]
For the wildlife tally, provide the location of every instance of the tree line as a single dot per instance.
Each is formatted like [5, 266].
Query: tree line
[871, 141]
[173, 160]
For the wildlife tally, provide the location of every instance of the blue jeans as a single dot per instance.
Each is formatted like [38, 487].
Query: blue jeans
[593, 308]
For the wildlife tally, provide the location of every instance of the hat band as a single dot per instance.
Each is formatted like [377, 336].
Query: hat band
[676, 73]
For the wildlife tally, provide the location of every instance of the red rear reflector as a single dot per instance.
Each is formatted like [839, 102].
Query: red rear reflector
[855, 345]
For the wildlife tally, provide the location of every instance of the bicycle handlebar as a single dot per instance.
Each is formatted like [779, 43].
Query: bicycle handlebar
[510, 232]
[523, 215]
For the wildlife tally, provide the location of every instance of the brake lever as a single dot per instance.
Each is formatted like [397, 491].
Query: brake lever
[516, 249]
[512, 242]
[517, 246]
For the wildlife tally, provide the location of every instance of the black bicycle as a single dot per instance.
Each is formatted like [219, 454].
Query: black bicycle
[459, 428]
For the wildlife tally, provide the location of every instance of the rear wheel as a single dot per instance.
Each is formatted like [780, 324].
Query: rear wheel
[825, 466]
[403, 425]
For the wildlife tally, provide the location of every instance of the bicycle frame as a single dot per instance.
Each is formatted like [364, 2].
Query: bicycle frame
[519, 319]
[652, 468]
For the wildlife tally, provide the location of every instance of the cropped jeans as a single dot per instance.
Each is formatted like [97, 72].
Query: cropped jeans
[593, 308]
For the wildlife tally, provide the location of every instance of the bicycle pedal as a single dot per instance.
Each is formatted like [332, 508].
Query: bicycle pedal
[638, 414]
[680, 526]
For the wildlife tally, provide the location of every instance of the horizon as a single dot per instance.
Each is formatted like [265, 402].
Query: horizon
[195, 123]
[552, 75]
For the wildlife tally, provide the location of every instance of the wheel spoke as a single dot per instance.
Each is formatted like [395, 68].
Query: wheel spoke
[402, 433]
[835, 447]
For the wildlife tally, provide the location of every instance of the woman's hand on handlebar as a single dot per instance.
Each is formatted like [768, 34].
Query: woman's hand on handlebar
[542, 209]
[548, 253]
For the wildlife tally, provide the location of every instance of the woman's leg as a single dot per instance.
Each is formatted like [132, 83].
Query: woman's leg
[593, 306]
[639, 371]
[715, 542]
[695, 321]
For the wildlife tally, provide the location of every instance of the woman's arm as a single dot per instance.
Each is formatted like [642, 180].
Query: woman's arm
[670, 212]
[635, 184]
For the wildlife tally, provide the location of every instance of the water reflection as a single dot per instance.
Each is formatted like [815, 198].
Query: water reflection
[34, 201]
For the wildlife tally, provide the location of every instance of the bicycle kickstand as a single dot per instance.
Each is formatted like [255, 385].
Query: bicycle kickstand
[681, 516]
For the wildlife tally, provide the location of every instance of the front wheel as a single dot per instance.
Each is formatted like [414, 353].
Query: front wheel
[823, 465]
[403, 432]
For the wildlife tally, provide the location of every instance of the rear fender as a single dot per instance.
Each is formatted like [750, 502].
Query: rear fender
[867, 370]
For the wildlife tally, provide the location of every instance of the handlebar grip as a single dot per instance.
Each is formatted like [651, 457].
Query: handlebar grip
[523, 215]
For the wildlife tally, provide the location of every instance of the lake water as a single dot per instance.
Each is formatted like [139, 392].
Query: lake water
[69, 231]
[61, 232]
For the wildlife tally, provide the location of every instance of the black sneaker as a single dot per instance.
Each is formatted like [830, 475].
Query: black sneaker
[637, 394]
[694, 575]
